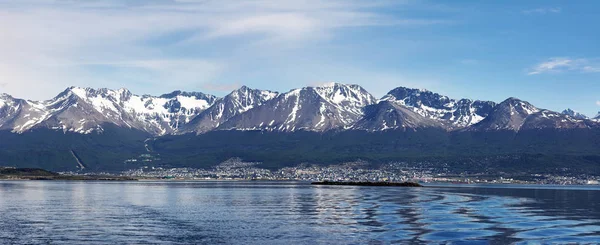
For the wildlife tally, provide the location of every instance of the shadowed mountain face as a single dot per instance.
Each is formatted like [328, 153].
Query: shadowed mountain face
[387, 115]
[511, 114]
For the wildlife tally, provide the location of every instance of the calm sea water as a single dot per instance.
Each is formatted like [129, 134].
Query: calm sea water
[50, 212]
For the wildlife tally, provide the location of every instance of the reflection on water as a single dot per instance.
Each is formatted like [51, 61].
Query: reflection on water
[289, 212]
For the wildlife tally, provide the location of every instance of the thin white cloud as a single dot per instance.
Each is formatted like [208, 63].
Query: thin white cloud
[163, 65]
[543, 10]
[598, 102]
[52, 44]
[565, 64]
[591, 68]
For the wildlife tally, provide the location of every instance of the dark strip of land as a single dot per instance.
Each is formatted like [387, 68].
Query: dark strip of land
[403, 184]
[41, 174]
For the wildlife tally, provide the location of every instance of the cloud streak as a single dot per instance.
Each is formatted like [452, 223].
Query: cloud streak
[565, 64]
[52, 44]
[544, 10]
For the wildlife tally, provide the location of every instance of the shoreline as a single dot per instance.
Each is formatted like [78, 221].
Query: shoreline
[423, 185]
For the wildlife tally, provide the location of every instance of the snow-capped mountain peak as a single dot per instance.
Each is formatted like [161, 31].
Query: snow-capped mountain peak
[246, 98]
[4, 99]
[452, 113]
[237, 102]
[387, 115]
[310, 108]
[9, 109]
[412, 95]
[519, 106]
[514, 115]
[85, 110]
[332, 106]
[574, 114]
[338, 92]
[350, 97]
[5, 95]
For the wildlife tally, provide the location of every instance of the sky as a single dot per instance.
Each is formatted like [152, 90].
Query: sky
[545, 52]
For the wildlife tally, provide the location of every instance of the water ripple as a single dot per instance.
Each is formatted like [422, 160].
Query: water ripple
[36, 212]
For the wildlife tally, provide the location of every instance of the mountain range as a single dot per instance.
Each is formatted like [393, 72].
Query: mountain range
[85, 129]
[331, 107]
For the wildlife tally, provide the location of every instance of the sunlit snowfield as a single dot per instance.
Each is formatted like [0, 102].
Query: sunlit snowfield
[292, 213]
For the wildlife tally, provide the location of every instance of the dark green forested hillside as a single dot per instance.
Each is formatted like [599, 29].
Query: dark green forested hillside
[55, 151]
[527, 151]
[504, 151]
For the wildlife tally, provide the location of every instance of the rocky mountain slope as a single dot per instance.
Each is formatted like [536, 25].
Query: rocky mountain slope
[514, 115]
[574, 114]
[336, 106]
[452, 113]
[237, 102]
[86, 110]
[387, 115]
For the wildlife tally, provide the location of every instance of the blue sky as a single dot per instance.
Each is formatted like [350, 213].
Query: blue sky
[545, 52]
